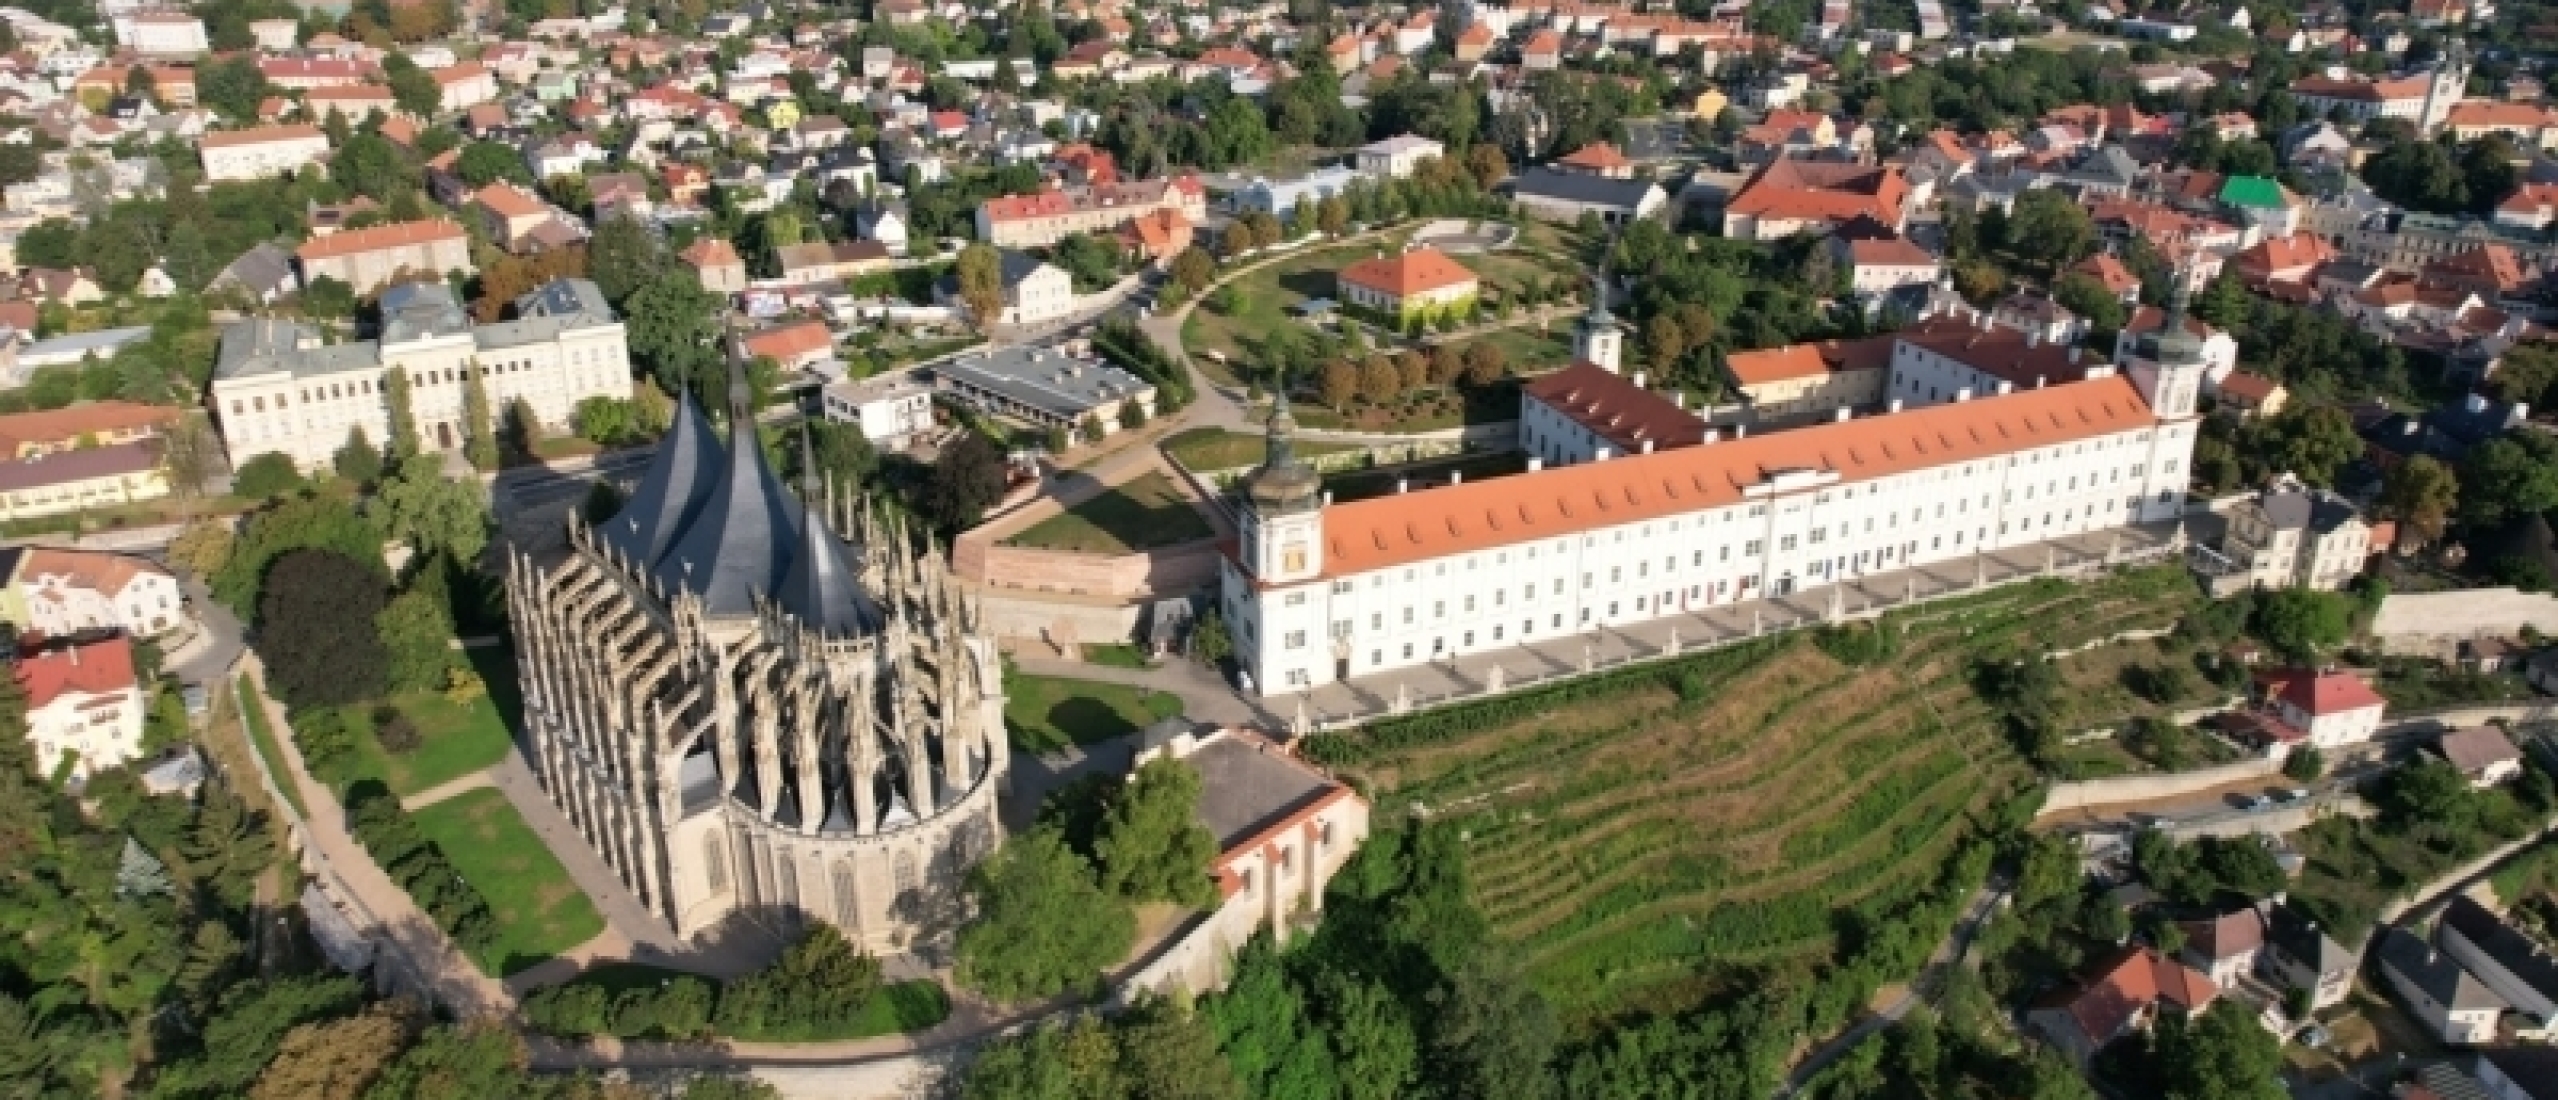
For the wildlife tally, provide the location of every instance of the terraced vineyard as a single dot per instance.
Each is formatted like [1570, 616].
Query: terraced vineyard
[1646, 844]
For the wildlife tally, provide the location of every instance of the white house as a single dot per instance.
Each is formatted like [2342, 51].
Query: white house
[57, 592]
[261, 152]
[2511, 963]
[2454, 1005]
[1396, 157]
[84, 703]
[892, 410]
[2325, 710]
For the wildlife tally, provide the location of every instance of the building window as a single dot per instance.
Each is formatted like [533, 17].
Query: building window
[1296, 639]
[715, 862]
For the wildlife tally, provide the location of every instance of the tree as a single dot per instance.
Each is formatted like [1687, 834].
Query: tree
[1495, 1035]
[1210, 642]
[190, 453]
[1376, 1053]
[674, 333]
[479, 422]
[1043, 926]
[820, 981]
[1483, 363]
[2315, 442]
[417, 504]
[316, 633]
[327, 297]
[481, 1057]
[1193, 269]
[980, 271]
[1236, 240]
[267, 476]
[1168, 1052]
[368, 164]
[203, 546]
[2508, 477]
[1068, 1058]
[233, 86]
[521, 428]
[417, 638]
[1486, 164]
[482, 163]
[2420, 494]
[1132, 414]
[2305, 763]
[1332, 215]
[339, 1057]
[2429, 790]
[1380, 380]
[2051, 229]
[1336, 384]
[412, 89]
[402, 413]
[622, 256]
[2301, 622]
[1091, 429]
[2089, 299]
[1152, 847]
[966, 479]
[2224, 1054]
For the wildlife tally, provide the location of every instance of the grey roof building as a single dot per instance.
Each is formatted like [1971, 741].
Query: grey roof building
[2509, 962]
[1563, 196]
[2456, 1006]
[264, 273]
[1045, 386]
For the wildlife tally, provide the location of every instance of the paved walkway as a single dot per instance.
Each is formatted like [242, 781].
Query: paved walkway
[409, 940]
[444, 790]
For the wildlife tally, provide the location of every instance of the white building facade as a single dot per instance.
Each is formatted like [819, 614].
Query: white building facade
[277, 388]
[1319, 592]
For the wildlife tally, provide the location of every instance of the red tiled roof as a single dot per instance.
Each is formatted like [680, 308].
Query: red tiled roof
[508, 201]
[92, 669]
[396, 235]
[1791, 188]
[56, 427]
[260, 135]
[1598, 156]
[1387, 531]
[2108, 273]
[1617, 410]
[1419, 271]
[2330, 693]
[791, 341]
[710, 252]
[2248, 386]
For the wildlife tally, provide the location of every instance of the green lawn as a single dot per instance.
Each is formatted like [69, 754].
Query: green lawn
[896, 1007]
[1261, 298]
[1118, 655]
[1430, 409]
[455, 739]
[1146, 512]
[1048, 713]
[1527, 350]
[253, 710]
[539, 911]
[1205, 449]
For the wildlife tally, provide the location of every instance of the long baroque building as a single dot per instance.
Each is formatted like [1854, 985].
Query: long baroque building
[1633, 509]
[745, 713]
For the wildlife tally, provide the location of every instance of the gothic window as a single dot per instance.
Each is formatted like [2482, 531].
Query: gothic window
[844, 894]
[905, 872]
[715, 862]
[786, 868]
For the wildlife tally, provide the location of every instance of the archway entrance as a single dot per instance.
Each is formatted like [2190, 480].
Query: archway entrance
[443, 436]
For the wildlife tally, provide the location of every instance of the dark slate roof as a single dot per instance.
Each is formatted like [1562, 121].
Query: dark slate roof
[739, 545]
[2298, 937]
[2534, 1070]
[820, 586]
[673, 491]
[1245, 788]
[2439, 975]
[2108, 165]
[2499, 941]
[1577, 187]
[2315, 511]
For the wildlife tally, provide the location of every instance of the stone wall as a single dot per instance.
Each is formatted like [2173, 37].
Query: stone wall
[1172, 570]
[1197, 960]
[1025, 615]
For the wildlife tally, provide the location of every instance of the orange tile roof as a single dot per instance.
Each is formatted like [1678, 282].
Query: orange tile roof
[1598, 156]
[395, 235]
[1387, 531]
[2331, 693]
[91, 569]
[1611, 405]
[54, 427]
[259, 135]
[1790, 188]
[710, 252]
[791, 341]
[508, 201]
[1419, 271]
[2482, 112]
[1785, 364]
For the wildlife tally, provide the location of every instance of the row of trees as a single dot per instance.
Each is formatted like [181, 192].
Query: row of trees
[821, 985]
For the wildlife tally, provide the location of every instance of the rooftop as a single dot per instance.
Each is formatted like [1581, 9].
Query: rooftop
[1403, 274]
[1044, 379]
[396, 235]
[1611, 405]
[1248, 785]
[92, 668]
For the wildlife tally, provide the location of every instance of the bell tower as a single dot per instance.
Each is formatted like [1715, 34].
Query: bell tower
[1283, 507]
[2446, 88]
[1598, 339]
[2171, 373]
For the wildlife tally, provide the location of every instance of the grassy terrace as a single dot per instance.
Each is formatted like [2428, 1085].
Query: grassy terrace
[539, 911]
[1047, 713]
[262, 738]
[1649, 846]
[1206, 449]
[1146, 512]
[455, 739]
[1262, 297]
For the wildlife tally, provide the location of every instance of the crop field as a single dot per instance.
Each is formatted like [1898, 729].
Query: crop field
[1650, 837]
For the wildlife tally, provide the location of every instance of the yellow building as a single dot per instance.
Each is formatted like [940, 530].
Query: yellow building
[1803, 379]
[1710, 104]
[90, 477]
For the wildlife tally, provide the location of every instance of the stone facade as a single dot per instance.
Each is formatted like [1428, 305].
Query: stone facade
[744, 719]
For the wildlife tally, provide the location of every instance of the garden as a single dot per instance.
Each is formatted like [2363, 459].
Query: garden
[1140, 514]
[537, 911]
[1649, 839]
[1048, 714]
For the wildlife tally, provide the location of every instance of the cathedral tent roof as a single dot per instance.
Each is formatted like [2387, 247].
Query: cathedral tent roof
[738, 545]
[673, 491]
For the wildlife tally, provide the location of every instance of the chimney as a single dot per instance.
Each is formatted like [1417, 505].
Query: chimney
[1327, 498]
[1402, 486]
[74, 651]
[1740, 431]
[1647, 446]
[1456, 477]
[1962, 395]
[1638, 379]
[1535, 464]
[1678, 399]
[2038, 381]
[2477, 402]
[1712, 435]
[2005, 387]
[1603, 454]
[1896, 405]
[2033, 337]
[1841, 415]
